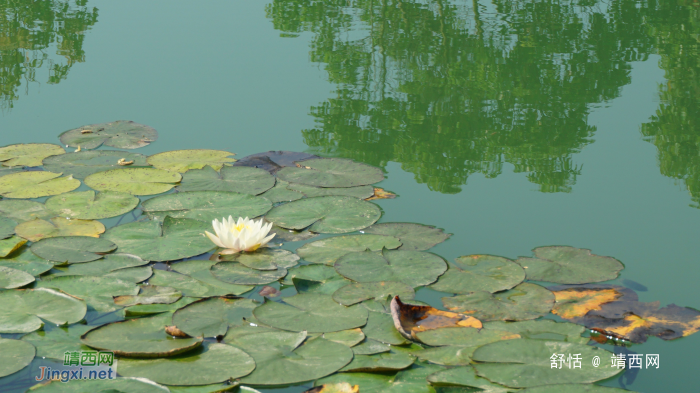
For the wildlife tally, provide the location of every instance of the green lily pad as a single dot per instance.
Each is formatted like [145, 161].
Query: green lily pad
[573, 388]
[176, 238]
[206, 205]
[264, 259]
[96, 291]
[142, 338]
[116, 385]
[84, 163]
[379, 362]
[235, 273]
[122, 134]
[14, 355]
[380, 327]
[132, 274]
[21, 211]
[315, 279]
[212, 388]
[87, 205]
[327, 251]
[207, 364]
[311, 313]
[463, 336]
[525, 363]
[240, 179]
[13, 278]
[108, 264]
[332, 172]
[280, 193]
[465, 376]
[7, 227]
[350, 337]
[544, 329]
[320, 287]
[199, 284]
[370, 347]
[360, 192]
[569, 265]
[412, 380]
[55, 343]
[149, 294]
[525, 301]
[285, 358]
[184, 160]
[28, 154]
[474, 273]
[38, 229]
[415, 237]
[141, 310]
[291, 235]
[213, 316]
[134, 181]
[36, 184]
[25, 260]
[361, 291]
[23, 309]
[72, 249]
[273, 161]
[414, 268]
[329, 214]
[10, 245]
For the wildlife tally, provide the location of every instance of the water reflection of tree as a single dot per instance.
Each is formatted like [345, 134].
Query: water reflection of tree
[448, 92]
[27, 29]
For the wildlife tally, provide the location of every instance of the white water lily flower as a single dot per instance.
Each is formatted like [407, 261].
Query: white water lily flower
[244, 235]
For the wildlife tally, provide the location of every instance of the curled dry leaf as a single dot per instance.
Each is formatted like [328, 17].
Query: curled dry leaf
[269, 291]
[124, 162]
[380, 193]
[175, 332]
[410, 319]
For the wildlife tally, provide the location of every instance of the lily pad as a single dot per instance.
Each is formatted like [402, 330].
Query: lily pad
[290, 235]
[116, 385]
[38, 229]
[206, 205]
[142, 338]
[265, 259]
[96, 291]
[525, 301]
[213, 316]
[526, 362]
[327, 251]
[176, 238]
[135, 181]
[350, 337]
[370, 347]
[207, 364]
[28, 154]
[120, 266]
[84, 163]
[361, 291]
[414, 268]
[13, 278]
[272, 161]
[36, 184]
[204, 285]
[315, 279]
[184, 160]
[543, 329]
[21, 211]
[23, 309]
[149, 294]
[573, 388]
[360, 192]
[122, 134]
[280, 193]
[574, 301]
[285, 358]
[411, 319]
[240, 179]
[141, 310]
[332, 172]
[329, 214]
[10, 245]
[14, 355]
[474, 273]
[7, 227]
[412, 380]
[379, 362]
[464, 336]
[414, 237]
[465, 376]
[569, 265]
[235, 273]
[72, 249]
[342, 387]
[23, 259]
[311, 313]
[380, 327]
[87, 205]
[55, 343]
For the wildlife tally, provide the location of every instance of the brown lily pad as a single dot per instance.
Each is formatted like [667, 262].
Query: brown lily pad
[573, 301]
[410, 319]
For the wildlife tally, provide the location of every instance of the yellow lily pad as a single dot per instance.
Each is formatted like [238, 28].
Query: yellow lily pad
[36, 184]
[28, 154]
[38, 229]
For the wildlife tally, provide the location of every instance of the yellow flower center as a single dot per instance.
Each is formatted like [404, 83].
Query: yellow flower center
[239, 227]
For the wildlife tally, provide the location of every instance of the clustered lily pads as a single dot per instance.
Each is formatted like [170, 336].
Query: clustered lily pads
[340, 311]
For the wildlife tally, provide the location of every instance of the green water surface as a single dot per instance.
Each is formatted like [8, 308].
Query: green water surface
[512, 124]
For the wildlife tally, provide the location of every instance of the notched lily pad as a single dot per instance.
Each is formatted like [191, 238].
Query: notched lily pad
[414, 268]
[184, 160]
[280, 193]
[87, 205]
[236, 273]
[525, 301]
[264, 259]
[569, 265]
[7, 227]
[21, 211]
[379, 362]
[272, 161]
[149, 294]
[213, 317]
[12, 278]
[465, 376]
[38, 229]
[543, 329]
[206, 205]
[410, 319]
[122, 134]
[10, 245]
[327, 251]
[36, 184]
[23, 259]
[331, 172]
[72, 249]
[361, 291]
[96, 291]
[245, 180]
[329, 214]
[473, 273]
[360, 192]
[28, 154]
[55, 343]
[134, 181]
[198, 284]
[24, 309]
[414, 237]
[84, 163]
[14, 355]
[411, 380]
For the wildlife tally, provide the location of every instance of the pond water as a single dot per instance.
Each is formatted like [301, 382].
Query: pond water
[511, 124]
